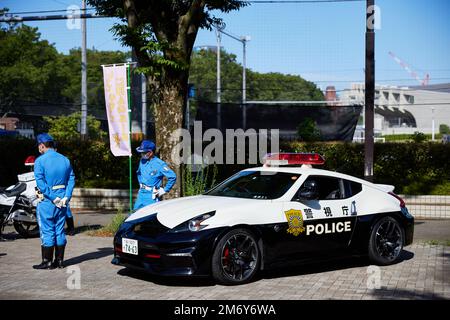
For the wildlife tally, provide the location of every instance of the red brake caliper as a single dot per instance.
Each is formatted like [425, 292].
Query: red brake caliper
[226, 255]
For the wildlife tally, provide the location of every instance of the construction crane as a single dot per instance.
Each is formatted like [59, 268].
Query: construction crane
[413, 74]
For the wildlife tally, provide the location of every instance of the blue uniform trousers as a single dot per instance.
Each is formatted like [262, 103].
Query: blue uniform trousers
[69, 212]
[51, 220]
[144, 198]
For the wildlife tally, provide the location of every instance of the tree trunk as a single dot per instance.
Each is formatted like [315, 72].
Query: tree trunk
[168, 119]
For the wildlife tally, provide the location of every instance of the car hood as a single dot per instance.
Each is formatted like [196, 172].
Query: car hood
[171, 213]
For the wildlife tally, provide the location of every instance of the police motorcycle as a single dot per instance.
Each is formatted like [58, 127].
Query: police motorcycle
[18, 204]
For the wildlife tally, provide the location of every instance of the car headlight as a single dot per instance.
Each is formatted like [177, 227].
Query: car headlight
[194, 224]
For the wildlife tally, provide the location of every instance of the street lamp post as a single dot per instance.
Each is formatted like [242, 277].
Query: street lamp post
[83, 130]
[244, 40]
[219, 28]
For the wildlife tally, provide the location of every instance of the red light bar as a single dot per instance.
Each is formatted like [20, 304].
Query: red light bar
[294, 158]
[29, 161]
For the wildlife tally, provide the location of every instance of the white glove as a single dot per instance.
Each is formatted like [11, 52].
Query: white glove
[160, 192]
[57, 202]
[64, 201]
[39, 194]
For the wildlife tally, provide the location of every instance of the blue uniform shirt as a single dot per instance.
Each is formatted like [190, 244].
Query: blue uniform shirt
[151, 173]
[52, 169]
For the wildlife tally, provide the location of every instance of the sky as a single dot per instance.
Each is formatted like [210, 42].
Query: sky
[322, 42]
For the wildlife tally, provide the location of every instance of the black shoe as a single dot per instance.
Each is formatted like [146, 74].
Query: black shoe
[59, 257]
[47, 256]
[70, 226]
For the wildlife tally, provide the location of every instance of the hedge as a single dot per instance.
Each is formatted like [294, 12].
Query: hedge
[413, 168]
[93, 163]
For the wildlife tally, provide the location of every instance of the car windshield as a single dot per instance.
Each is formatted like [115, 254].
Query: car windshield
[255, 185]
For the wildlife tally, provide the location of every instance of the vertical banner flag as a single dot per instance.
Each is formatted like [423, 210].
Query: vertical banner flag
[116, 100]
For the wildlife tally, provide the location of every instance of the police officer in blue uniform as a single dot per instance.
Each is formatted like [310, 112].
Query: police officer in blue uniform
[56, 180]
[150, 174]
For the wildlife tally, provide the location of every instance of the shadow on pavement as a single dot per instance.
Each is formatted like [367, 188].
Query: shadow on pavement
[167, 281]
[10, 236]
[396, 294]
[406, 255]
[326, 266]
[2, 254]
[101, 253]
[315, 267]
[293, 270]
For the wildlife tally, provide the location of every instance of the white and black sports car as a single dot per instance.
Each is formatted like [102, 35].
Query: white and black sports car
[265, 217]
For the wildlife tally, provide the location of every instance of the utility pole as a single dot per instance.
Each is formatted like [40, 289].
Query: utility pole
[369, 91]
[218, 94]
[144, 105]
[432, 124]
[83, 75]
[244, 40]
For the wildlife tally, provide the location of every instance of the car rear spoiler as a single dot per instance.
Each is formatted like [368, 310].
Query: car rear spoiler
[385, 187]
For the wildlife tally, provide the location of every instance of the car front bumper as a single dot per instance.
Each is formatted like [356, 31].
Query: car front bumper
[167, 253]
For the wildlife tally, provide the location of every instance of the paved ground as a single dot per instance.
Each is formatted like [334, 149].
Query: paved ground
[423, 273]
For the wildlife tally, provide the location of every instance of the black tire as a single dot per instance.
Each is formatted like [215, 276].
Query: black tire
[236, 258]
[27, 230]
[386, 241]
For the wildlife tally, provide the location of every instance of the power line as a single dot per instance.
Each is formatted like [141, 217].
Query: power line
[45, 11]
[302, 1]
[9, 19]
[332, 81]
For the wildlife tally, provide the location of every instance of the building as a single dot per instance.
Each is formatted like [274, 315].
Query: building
[405, 110]
[330, 95]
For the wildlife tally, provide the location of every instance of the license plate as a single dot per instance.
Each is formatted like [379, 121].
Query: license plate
[130, 246]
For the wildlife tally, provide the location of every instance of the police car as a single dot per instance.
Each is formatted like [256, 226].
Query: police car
[266, 217]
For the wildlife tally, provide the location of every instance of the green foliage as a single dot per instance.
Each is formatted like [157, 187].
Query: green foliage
[441, 188]
[444, 129]
[307, 130]
[260, 86]
[30, 68]
[32, 71]
[95, 90]
[66, 127]
[116, 221]
[163, 32]
[418, 137]
[413, 168]
[407, 137]
[110, 229]
[199, 182]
